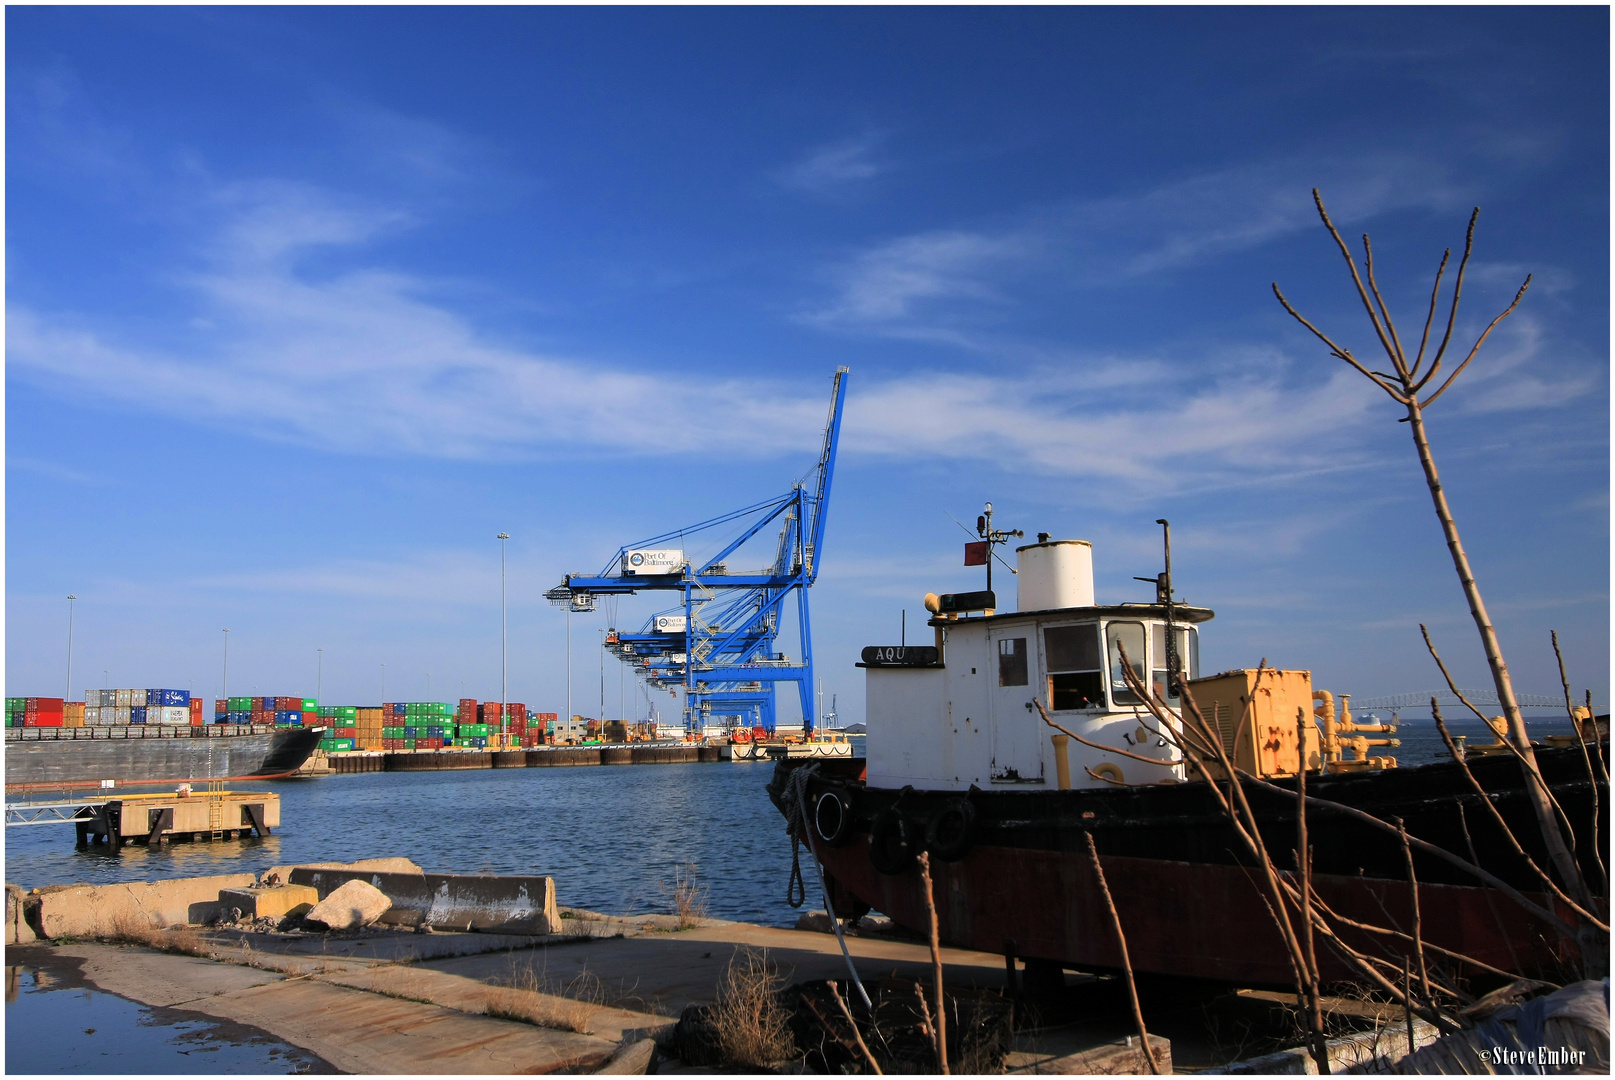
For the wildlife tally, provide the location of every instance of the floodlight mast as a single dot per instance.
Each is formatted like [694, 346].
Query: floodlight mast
[723, 654]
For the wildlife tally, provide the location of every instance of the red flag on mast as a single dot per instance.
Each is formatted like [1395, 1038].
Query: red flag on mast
[976, 553]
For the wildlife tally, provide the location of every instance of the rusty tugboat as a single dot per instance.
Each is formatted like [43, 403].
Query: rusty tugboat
[962, 763]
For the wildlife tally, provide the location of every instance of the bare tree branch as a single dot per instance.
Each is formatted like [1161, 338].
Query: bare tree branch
[1399, 359]
[1435, 295]
[1337, 351]
[1478, 342]
[1368, 305]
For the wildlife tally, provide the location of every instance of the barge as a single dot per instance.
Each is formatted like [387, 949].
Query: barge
[41, 758]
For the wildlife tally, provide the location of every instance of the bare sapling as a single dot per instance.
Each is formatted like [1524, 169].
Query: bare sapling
[857, 1035]
[1127, 964]
[940, 1029]
[1316, 1040]
[1406, 384]
[1581, 743]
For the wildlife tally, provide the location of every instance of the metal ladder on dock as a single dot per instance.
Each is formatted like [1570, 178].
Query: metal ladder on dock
[215, 801]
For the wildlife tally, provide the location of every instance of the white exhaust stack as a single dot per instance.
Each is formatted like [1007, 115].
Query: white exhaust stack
[1054, 574]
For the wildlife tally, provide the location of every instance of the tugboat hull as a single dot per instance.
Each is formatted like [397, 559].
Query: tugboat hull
[1190, 899]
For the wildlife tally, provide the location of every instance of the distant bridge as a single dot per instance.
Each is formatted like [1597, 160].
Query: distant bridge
[1447, 697]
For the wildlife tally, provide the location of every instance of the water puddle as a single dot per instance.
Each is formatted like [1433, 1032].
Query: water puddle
[57, 1023]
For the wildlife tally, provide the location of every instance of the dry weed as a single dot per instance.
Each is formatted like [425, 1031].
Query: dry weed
[536, 998]
[750, 1025]
[689, 897]
[136, 930]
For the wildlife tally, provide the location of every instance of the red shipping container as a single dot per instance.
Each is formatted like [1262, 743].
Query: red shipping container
[470, 702]
[219, 704]
[48, 719]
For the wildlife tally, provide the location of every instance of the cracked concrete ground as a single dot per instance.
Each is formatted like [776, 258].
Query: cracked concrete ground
[417, 1003]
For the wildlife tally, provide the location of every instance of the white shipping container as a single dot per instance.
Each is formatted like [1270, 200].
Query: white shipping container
[121, 699]
[120, 715]
[106, 714]
[171, 714]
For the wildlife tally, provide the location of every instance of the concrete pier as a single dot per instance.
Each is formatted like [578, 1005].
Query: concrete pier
[363, 761]
[388, 1000]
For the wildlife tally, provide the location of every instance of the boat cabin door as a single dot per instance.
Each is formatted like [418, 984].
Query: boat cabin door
[1017, 754]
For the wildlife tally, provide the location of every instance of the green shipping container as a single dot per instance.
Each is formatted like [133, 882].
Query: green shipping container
[409, 744]
[240, 704]
[346, 712]
[310, 705]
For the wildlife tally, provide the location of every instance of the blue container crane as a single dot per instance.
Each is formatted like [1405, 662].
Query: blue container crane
[719, 643]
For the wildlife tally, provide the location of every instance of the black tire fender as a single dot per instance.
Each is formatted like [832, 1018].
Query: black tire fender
[951, 832]
[832, 817]
[893, 842]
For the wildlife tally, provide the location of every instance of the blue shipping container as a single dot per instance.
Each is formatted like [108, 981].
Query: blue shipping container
[175, 699]
[242, 717]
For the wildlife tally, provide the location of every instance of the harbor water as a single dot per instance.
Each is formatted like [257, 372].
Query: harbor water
[56, 1023]
[613, 837]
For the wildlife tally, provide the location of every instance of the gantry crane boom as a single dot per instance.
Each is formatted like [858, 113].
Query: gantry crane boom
[723, 653]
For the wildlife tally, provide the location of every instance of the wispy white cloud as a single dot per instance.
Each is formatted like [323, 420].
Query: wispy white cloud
[929, 284]
[52, 469]
[369, 360]
[835, 165]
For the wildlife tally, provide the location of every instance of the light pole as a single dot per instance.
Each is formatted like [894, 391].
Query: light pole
[569, 668]
[70, 599]
[224, 679]
[504, 688]
[602, 681]
[319, 674]
[384, 682]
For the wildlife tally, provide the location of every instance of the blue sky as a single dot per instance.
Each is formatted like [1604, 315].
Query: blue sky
[306, 304]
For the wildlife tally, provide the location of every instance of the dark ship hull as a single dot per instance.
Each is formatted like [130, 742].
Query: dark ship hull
[1190, 899]
[82, 760]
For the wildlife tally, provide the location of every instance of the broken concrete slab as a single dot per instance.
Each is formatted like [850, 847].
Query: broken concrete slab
[355, 1031]
[106, 910]
[631, 1059]
[18, 932]
[274, 902]
[349, 906]
[389, 865]
[1122, 1058]
[486, 902]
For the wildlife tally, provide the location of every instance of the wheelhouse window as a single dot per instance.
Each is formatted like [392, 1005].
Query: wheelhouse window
[1188, 659]
[1128, 636]
[1076, 675]
[1012, 661]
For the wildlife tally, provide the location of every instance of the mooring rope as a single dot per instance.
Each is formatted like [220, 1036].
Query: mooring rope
[796, 818]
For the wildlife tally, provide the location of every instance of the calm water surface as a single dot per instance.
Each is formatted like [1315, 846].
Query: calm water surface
[56, 1024]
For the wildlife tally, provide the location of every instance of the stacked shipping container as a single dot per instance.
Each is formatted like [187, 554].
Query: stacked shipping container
[415, 725]
[35, 712]
[279, 711]
[175, 708]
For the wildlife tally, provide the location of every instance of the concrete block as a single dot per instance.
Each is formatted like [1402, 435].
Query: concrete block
[105, 910]
[630, 1059]
[275, 902]
[18, 932]
[510, 904]
[390, 865]
[351, 905]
